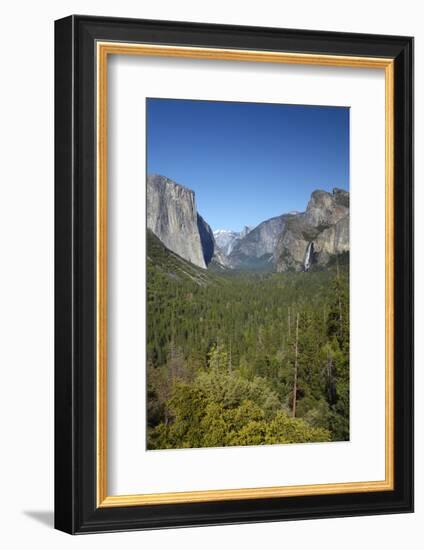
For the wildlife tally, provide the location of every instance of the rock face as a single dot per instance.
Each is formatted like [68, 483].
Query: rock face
[246, 229]
[226, 238]
[206, 239]
[296, 241]
[220, 258]
[316, 235]
[258, 244]
[172, 217]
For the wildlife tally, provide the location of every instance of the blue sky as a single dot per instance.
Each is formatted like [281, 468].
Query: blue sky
[248, 162]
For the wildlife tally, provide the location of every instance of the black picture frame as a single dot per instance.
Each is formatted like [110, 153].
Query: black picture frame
[76, 510]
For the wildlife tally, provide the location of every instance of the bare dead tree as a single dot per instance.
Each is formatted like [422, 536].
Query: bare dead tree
[296, 350]
[289, 320]
[339, 300]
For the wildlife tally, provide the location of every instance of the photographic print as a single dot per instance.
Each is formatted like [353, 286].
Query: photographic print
[247, 273]
[218, 358]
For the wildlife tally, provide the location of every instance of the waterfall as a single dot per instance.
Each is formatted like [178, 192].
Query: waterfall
[308, 257]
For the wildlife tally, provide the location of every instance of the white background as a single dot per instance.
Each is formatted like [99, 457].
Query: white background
[131, 80]
[26, 275]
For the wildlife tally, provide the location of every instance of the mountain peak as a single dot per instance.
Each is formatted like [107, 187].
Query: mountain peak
[163, 181]
[225, 239]
[246, 229]
[316, 235]
[223, 232]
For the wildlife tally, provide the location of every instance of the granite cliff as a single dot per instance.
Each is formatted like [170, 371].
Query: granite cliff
[172, 216]
[315, 236]
[297, 241]
[207, 240]
[258, 245]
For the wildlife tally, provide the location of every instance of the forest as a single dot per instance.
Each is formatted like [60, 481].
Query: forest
[238, 358]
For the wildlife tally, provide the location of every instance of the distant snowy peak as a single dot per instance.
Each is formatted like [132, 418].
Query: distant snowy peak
[222, 233]
[226, 238]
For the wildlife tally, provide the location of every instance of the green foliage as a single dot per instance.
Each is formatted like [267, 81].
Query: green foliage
[221, 351]
[219, 419]
[230, 389]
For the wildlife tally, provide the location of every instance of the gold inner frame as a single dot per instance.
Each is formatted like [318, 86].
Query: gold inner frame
[104, 49]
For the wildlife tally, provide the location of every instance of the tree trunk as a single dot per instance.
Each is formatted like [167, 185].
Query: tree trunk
[330, 391]
[340, 302]
[295, 366]
[288, 320]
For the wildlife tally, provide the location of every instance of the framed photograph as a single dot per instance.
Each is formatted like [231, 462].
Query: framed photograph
[234, 274]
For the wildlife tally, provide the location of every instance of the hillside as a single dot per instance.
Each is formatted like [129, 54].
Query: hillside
[163, 263]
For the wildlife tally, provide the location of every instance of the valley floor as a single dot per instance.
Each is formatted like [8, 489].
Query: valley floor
[245, 359]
